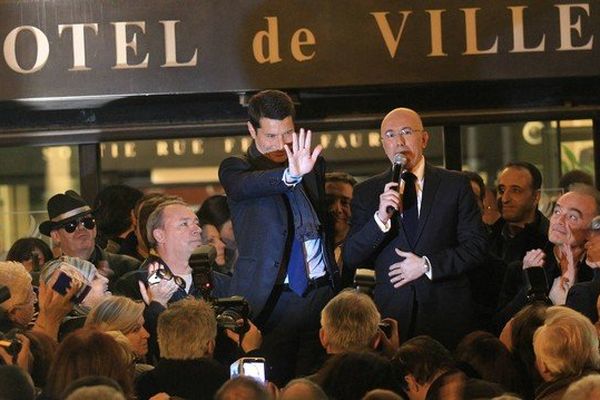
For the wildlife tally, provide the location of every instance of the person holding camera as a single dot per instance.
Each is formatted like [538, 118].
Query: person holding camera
[173, 233]
[187, 333]
[351, 322]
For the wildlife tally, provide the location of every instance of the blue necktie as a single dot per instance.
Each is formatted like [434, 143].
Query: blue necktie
[298, 279]
[410, 213]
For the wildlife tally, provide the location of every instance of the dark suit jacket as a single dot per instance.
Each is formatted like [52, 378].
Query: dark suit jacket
[262, 223]
[583, 296]
[450, 234]
[197, 379]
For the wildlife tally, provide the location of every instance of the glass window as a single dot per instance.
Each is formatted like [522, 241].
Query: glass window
[576, 145]
[487, 148]
[28, 178]
[189, 167]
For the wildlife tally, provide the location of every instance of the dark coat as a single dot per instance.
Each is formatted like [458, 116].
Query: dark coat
[262, 224]
[189, 379]
[583, 296]
[118, 263]
[450, 233]
[532, 236]
[555, 390]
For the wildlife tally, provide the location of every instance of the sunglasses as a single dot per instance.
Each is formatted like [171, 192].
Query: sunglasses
[88, 223]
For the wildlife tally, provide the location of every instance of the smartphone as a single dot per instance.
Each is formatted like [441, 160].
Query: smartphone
[66, 274]
[386, 327]
[253, 367]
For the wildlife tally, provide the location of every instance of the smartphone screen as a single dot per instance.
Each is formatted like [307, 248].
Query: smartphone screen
[62, 283]
[252, 367]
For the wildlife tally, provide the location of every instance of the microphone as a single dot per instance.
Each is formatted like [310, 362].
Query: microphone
[399, 162]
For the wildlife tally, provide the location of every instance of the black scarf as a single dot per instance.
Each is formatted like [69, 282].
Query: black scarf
[306, 220]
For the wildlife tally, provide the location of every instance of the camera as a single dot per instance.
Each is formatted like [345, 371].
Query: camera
[230, 310]
[10, 343]
[536, 285]
[202, 262]
[364, 281]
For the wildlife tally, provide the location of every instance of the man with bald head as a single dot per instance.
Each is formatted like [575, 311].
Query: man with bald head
[420, 235]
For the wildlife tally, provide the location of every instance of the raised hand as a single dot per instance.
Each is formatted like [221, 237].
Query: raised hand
[300, 159]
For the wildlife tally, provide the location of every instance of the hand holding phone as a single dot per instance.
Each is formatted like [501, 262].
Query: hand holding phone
[67, 275]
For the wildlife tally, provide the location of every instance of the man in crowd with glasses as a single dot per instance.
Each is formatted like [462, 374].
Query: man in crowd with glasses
[72, 227]
[421, 235]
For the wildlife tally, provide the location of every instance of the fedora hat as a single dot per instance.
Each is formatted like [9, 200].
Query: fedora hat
[62, 208]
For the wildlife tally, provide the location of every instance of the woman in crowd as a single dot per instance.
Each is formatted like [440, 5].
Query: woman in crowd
[118, 313]
[217, 230]
[88, 352]
[33, 253]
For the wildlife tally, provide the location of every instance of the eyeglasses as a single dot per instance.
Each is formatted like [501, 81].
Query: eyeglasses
[88, 223]
[406, 131]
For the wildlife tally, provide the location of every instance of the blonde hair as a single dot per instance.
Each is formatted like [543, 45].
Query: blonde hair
[350, 321]
[185, 329]
[567, 343]
[116, 313]
[15, 277]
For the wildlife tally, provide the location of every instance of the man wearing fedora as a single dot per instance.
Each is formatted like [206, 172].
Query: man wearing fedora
[72, 227]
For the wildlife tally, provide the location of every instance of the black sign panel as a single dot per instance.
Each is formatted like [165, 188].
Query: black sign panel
[80, 48]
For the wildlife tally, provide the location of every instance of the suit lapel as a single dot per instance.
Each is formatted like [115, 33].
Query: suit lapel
[431, 184]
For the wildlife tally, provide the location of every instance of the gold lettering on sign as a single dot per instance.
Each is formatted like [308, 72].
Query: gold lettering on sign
[42, 51]
[171, 47]
[229, 145]
[271, 36]
[437, 47]
[246, 142]
[340, 142]
[121, 45]
[325, 140]
[471, 34]
[78, 43]
[302, 37]
[162, 148]
[355, 140]
[519, 32]
[129, 150]
[114, 150]
[390, 40]
[197, 146]
[566, 27]
[179, 147]
[374, 139]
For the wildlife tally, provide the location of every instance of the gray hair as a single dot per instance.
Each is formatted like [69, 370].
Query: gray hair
[156, 220]
[116, 313]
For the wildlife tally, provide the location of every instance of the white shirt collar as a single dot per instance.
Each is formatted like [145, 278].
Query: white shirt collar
[419, 169]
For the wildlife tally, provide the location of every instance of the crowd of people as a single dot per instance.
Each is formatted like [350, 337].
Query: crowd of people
[265, 291]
